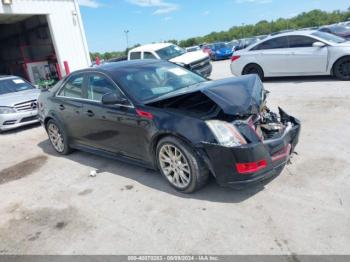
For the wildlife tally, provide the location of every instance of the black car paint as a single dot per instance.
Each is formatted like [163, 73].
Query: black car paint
[117, 131]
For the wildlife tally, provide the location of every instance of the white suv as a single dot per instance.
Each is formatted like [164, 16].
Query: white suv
[197, 61]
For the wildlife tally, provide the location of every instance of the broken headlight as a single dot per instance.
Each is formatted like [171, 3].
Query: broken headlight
[225, 133]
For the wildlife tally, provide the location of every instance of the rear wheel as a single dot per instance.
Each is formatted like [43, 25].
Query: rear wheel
[180, 165]
[57, 137]
[254, 69]
[341, 69]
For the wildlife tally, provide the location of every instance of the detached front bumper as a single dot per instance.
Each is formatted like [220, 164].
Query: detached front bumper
[275, 153]
[14, 120]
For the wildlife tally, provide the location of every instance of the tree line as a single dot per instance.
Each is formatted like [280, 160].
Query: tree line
[314, 18]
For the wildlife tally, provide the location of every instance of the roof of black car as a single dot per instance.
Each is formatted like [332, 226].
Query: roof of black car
[7, 76]
[111, 67]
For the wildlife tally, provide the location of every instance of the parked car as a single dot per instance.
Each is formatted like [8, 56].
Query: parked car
[220, 51]
[233, 44]
[196, 61]
[165, 117]
[193, 49]
[207, 49]
[338, 30]
[18, 103]
[245, 42]
[298, 53]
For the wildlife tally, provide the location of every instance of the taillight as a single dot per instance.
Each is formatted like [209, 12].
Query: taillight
[144, 114]
[235, 57]
[248, 168]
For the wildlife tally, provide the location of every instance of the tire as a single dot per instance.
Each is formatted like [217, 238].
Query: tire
[186, 180]
[60, 144]
[254, 69]
[341, 69]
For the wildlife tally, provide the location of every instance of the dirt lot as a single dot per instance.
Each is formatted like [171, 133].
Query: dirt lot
[50, 205]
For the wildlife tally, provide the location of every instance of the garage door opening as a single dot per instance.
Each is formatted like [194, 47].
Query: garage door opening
[26, 49]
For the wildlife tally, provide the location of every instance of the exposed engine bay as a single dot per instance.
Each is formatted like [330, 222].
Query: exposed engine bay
[265, 124]
[234, 109]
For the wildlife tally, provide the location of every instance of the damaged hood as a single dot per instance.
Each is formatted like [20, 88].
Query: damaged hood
[235, 96]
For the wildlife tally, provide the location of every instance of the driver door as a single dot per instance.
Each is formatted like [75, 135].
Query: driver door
[305, 58]
[113, 128]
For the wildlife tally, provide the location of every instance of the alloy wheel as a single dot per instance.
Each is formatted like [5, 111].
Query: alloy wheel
[175, 166]
[56, 137]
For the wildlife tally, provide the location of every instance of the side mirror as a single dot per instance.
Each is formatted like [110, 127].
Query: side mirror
[113, 99]
[319, 44]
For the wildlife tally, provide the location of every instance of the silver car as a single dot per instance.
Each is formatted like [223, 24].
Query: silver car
[297, 53]
[18, 103]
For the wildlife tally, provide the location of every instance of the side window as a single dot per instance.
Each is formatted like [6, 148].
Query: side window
[135, 55]
[279, 42]
[98, 86]
[148, 55]
[296, 41]
[73, 88]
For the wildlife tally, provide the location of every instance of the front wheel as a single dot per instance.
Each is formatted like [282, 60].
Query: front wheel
[57, 137]
[341, 69]
[180, 165]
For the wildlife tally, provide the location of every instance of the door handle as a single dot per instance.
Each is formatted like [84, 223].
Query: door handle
[62, 107]
[90, 113]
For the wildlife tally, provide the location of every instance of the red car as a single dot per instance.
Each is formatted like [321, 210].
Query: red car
[207, 49]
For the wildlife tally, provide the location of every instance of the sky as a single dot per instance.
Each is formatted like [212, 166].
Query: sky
[147, 21]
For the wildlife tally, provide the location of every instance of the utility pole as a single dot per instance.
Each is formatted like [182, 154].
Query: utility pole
[127, 38]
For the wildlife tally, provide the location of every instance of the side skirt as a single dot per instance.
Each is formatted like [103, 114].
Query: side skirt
[114, 156]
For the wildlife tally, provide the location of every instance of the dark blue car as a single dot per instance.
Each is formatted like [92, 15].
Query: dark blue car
[221, 51]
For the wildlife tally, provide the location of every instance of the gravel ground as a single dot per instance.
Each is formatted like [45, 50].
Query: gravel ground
[50, 205]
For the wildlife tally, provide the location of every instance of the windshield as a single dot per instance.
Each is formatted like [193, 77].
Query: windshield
[170, 52]
[193, 49]
[340, 29]
[13, 85]
[153, 80]
[329, 37]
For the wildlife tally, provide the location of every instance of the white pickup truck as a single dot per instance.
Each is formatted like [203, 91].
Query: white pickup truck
[198, 61]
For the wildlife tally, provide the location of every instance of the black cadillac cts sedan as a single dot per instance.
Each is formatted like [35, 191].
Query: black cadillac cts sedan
[160, 115]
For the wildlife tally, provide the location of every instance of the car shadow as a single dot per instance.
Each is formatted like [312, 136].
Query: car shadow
[300, 79]
[19, 129]
[211, 192]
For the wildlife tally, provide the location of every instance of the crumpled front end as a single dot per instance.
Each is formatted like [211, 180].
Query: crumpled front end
[265, 155]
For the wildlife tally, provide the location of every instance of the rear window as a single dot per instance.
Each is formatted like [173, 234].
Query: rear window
[14, 85]
[275, 43]
[135, 55]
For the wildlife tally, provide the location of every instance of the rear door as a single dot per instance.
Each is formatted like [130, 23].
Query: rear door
[272, 55]
[304, 58]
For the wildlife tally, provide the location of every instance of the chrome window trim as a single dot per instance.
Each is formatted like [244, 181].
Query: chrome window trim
[86, 73]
